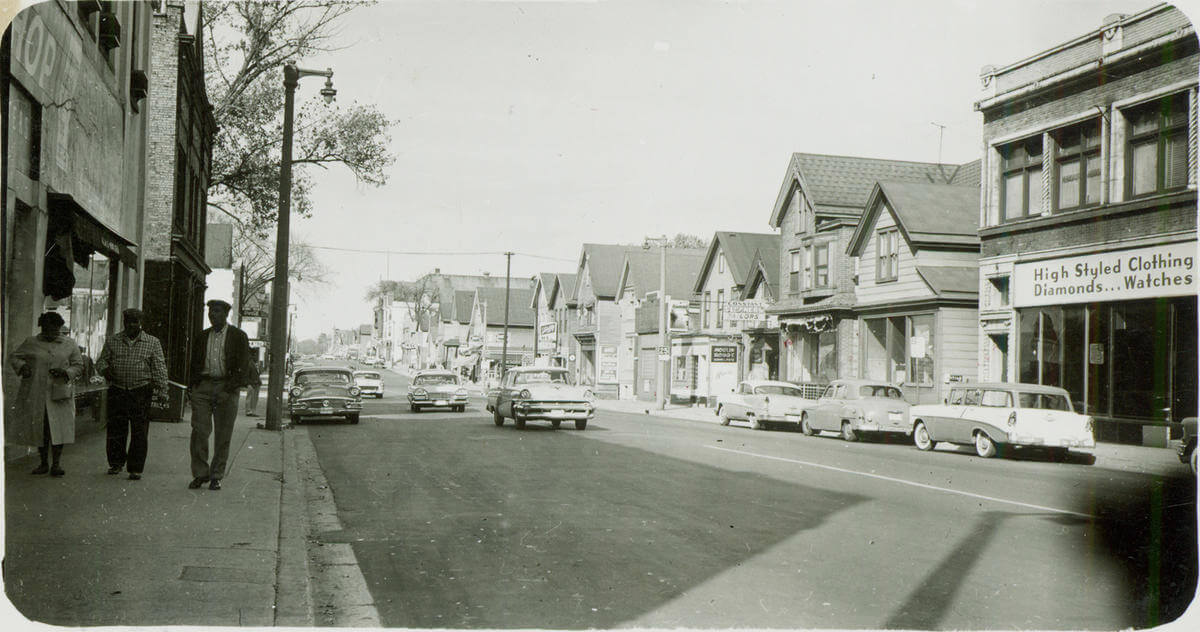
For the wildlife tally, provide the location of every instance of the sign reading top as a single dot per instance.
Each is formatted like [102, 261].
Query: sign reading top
[1151, 272]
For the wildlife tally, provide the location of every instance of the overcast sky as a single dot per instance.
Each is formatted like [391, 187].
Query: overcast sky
[534, 127]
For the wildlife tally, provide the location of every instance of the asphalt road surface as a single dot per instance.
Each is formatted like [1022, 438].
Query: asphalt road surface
[650, 522]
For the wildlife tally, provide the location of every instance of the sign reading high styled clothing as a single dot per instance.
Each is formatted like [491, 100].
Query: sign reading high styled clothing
[1155, 271]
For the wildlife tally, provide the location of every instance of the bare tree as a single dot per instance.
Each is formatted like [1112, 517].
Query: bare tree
[257, 258]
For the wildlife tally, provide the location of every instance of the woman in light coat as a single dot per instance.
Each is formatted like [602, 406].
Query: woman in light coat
[43, 413]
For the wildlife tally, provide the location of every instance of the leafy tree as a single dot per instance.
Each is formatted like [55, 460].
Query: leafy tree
[247, 44]
[684, 240]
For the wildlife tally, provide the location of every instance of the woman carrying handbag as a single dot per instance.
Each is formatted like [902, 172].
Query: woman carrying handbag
[43, 412]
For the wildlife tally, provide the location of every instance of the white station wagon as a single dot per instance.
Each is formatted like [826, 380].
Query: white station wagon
[996, 416]
[762, 402]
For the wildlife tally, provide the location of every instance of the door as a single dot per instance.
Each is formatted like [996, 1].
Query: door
[735, 402]
[945, 416]
[504, 397]
[827, 414]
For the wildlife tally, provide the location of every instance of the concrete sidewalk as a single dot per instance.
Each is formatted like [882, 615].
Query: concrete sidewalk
[90, 549]
[1129, 458]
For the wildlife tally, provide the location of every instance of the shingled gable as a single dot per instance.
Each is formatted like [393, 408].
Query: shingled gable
[464, 300]
[564, 285]
[843, 184]
[739, 249]
[926, 214]
[520, 314]
[543, 283]
[764, 268]
[641, 269]
[604, 263]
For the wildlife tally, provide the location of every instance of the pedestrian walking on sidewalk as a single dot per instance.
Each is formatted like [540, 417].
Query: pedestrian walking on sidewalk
[43, 414]
[252, 390]
[220, 359]
[132, 362]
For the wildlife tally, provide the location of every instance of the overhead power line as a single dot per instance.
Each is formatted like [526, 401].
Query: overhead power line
[435, 252]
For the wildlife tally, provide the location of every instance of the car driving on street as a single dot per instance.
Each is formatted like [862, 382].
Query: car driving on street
[856, 407]
[369, 383]
[324, 392]
[528, 393]
[763, 402]
[997, 416]
[436, 388]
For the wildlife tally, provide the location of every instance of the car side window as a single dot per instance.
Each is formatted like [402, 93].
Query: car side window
[972, 397]
[997, 399]
[956, 397]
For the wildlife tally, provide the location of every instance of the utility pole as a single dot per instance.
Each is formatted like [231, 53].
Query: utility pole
[664, 314]
[507, 286]
[536, 321]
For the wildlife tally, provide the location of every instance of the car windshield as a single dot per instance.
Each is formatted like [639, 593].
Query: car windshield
[541, 377]
[434, 380]
[773, 389]
[309, 378]
[367, 376]
[1044, 401]
[879, 390]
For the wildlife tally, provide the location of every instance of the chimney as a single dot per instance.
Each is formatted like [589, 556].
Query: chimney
[437, 270]
[486, 273]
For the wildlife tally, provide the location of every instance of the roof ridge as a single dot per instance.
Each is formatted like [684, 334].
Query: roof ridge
[889, 160]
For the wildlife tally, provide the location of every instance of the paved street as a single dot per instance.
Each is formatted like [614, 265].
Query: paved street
[650, 522]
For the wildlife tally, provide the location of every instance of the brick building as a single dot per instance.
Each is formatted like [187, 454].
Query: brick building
[74, 84]
[179, 149]
[1088, 223]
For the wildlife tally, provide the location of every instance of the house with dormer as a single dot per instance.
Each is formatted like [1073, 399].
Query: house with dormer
[916, 250]
[818, 207]
[597, 317]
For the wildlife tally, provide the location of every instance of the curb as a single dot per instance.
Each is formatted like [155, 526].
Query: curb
[293, 584]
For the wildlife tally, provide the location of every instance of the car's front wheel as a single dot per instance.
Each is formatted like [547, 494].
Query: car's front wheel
[353, 418]
[984, 446]
[755, 423]
[848, 432]
[295, 420]
[497, 418]
[414, 408]
[921, 437]
[556, 423]
[580, 424]
[805, 426]
[722, 414]
[518, 421]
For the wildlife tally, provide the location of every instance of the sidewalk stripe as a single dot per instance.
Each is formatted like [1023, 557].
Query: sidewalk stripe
[906, 482]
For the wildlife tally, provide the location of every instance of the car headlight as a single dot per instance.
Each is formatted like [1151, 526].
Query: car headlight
[1089, 424]
[589, 395]
[354, 391]
[461, 391]
[525, 394]
[420, 392]
[296, 392]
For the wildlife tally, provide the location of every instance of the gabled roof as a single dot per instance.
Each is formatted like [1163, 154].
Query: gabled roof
[464, 301]
[843, 183]
[543, 282]
[520, 314]
[929, 214]
[605, 262]
[951, 281]
[641, 270]
[765, 265]
[739, 249]
[564, 286]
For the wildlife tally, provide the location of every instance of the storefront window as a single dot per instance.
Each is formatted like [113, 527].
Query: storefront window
[88, 310]
[920, 350]
[875, 351]
[900, 349]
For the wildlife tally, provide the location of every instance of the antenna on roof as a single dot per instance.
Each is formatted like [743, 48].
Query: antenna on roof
[941, 131]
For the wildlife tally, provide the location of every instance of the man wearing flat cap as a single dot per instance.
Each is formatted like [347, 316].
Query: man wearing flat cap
[220, 357]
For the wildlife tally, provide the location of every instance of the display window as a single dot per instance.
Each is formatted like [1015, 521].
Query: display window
[900, 349]
[88, 312]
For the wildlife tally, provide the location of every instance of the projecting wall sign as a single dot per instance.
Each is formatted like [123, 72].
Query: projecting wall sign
[1152, 272]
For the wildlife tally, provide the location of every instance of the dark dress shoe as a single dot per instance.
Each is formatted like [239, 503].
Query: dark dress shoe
[116, 469]
[214, 484]
[134, 476]
[55, 470]
[197, 483]
[41, 469]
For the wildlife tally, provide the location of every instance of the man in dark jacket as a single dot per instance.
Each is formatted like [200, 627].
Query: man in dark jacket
[220, 358]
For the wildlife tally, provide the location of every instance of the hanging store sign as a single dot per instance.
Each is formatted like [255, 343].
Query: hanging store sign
[1152, 272]
[548, 333]
[746, 311]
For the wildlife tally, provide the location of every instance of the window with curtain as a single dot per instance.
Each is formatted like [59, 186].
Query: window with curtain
[1077, 165]
[794, 273]
[1157, 149]
[887, 265]
[1021, 179]
[820, 276]
[720, 308]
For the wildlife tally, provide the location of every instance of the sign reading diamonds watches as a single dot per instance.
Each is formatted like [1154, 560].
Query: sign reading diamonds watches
[1155, 271]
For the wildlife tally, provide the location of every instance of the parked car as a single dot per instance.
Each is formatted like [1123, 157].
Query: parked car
[369, 382]
[528, 393]
[996, 416]
[1187, 445]
[436, 388]
[324, 391]
[856, 407]
[762, 402]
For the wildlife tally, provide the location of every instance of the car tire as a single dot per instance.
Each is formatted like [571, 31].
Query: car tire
[984, 446]
[497, 418]
[556, 423]
[518, 422]
[352, 418]
[296, 420]
[722, 415]
[378, 395]
[921, 437]
[580, 424]
[848, 432]
[805, 426]
[460, 409]
[754, 422]
[414, 408]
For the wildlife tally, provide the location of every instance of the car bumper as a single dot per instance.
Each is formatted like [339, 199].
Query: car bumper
[788, 418]
[1059, 442]
[554, 410]
[317, 411]
[868, 425]
[456, 400]
[1184, 450]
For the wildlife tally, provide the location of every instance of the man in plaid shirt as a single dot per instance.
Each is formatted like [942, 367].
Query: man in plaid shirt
[132, 362]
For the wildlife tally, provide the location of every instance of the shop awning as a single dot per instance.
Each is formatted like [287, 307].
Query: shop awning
[88, 235]
[951, 281]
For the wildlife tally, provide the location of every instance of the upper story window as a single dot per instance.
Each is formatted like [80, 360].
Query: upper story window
[803, 219]
[704, 309]
[720, 308]
[1157, 150]
[1021, 188]
[721, 262]
[887, 255]
[1000, 295]
[1077, 165]
[794, 274]
[820, 276]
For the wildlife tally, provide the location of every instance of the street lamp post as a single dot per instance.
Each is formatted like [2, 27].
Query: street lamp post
[279, 286]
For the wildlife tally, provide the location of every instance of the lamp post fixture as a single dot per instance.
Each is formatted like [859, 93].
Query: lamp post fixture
[664, 314]
[279, 285]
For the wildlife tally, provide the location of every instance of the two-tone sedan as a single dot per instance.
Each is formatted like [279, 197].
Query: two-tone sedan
[324, 392]
[436, 388]
[528, 393]
[996, 416]
[856, 407]
[763, 402]
[369, 382]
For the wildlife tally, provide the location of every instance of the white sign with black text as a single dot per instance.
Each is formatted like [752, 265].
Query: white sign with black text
[1155, 271]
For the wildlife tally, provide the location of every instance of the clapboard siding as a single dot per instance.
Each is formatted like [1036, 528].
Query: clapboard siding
[960, 339]
[908, 284]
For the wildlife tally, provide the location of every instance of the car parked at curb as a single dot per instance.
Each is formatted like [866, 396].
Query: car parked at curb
[994, 417]
[324, 391]
[436, 388]
[370, 383]
[1187, 444]
[856, 408]
[763, 402]
[547, 393]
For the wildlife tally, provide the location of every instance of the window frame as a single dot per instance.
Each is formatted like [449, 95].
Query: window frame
[1084, 155]
[1163, 132]
[817, 268]
[887, 263]
[1024, 168]
[794, 273]
[720, 319]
